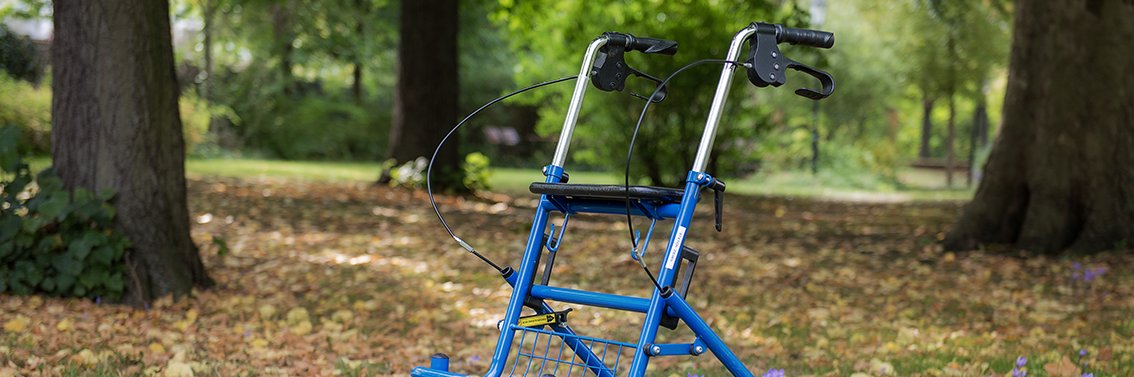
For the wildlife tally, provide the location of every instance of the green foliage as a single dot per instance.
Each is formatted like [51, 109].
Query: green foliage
[19, 57]
[196, 115]
[28, 108]
[286, 72]
[478, 174]
[549, 38]
[53, 241]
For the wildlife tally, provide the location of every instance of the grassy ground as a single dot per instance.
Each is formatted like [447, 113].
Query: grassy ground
[325, 276]
[920, 184]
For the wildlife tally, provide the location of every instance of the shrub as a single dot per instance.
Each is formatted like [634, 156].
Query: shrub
[28, 108]
[19, 56]
[53, 241]
[478, 174]
[196, 116]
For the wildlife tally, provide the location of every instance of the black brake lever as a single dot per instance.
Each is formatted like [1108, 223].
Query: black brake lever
[767, 66]
[659, 94]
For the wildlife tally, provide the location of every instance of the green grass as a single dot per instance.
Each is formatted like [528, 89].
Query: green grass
[918, 184]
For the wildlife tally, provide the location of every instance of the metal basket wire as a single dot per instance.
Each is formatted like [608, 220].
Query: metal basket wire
[547, 353]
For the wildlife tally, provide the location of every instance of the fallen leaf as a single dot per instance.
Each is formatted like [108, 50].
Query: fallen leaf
[18, 324]
[1063, 368]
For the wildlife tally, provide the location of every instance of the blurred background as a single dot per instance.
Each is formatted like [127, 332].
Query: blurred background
[264, 83]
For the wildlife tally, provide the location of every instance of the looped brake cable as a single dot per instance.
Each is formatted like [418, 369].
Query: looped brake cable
[630, 153]
[429, 170]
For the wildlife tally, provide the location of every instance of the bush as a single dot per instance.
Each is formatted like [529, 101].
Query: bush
[196, 115]
[478, 174]
[52, 241]
[28, 108]
[476, 170]
[19, 56]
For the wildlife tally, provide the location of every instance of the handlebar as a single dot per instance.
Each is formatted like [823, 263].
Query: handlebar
[642, 44]
[806, 37]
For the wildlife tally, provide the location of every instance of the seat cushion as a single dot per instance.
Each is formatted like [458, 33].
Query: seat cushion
[608, 192]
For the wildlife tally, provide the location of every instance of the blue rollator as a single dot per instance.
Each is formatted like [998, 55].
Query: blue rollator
[544, 344]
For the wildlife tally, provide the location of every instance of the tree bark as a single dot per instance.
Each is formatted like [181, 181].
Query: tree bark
[356, 55]
[1060, 174]
[926, 127]
[116, 125]
[950, 135]
[425, 98]
[980, 123]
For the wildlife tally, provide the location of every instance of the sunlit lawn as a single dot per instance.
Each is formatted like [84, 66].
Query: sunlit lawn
[921, 185]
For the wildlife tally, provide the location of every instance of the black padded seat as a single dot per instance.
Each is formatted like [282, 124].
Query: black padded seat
[608, 192]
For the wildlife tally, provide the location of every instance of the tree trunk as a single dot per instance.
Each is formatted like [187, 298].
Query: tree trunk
[359, 30]
[116, 125]
[1060, 174]
[950, 133]
[283, 39]
[425, 97]
[926, 127]
[980, 123]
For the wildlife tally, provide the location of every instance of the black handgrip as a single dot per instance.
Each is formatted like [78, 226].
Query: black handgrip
[806, 37]
[642, 44]
[653, 45]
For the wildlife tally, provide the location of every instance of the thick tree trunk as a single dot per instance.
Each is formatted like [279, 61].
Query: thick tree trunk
[1060, 172]
[425, 98]
[926, 127]
[116, 125]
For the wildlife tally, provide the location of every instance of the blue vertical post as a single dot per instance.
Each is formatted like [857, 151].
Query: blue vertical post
[440, 362]
[672, 256]
[524, 275]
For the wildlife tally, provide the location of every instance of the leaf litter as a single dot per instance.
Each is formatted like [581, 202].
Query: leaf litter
[320, 278]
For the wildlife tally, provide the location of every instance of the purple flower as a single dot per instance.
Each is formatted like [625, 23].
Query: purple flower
[694, 375]
[773, 373]
[1021, 361]
[1088, 375]
[1082, 352]
[1091, 274]
[1019, 373]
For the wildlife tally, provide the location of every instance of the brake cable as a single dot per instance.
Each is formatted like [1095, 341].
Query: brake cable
[429, 170]
[630, 153]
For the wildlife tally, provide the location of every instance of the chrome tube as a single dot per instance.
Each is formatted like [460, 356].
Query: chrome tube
[707, 138]
[576, 102]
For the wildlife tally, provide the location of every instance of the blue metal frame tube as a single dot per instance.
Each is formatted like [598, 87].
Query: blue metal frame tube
[693, 182]
[602, 300]
[523, 279]
[703, 331]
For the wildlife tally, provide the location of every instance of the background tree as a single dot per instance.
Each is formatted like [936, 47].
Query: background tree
[116, 126]
[425, 99]
[1060, 172]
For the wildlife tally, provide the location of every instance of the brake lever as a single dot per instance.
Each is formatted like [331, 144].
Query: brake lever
[824, 78]
[767, 66]
[660, 94]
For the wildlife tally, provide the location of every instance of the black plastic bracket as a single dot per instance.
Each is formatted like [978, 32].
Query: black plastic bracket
[610, 71]
[688, 256]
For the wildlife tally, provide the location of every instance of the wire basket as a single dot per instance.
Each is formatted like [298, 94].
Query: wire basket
[544, 353]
